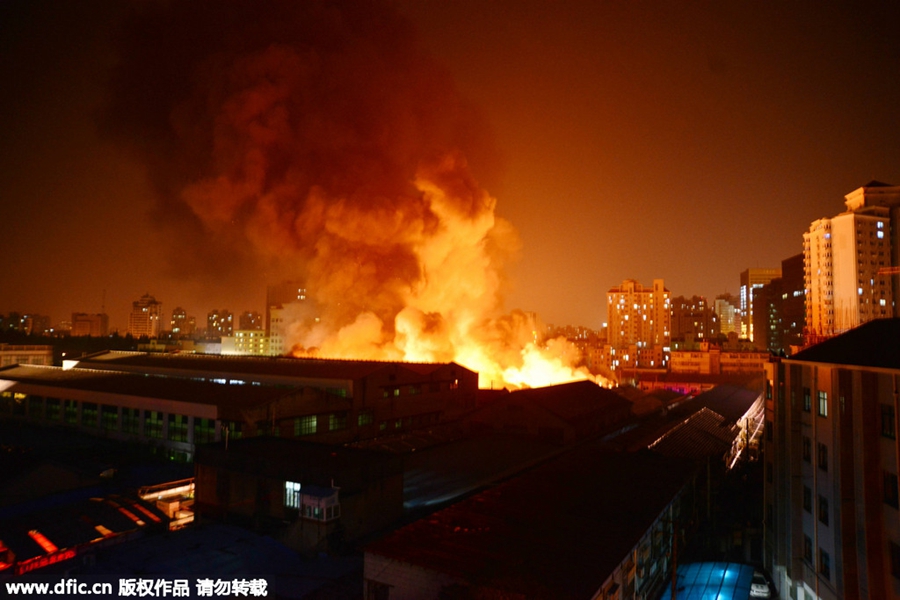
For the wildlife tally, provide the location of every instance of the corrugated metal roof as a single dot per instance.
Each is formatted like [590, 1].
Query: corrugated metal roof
[144, 386]
[264, 365]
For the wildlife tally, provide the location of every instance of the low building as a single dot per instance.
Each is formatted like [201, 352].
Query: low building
[560, 413]
[246, 342]
[557, 531]
[312, 497]
[711, 360]
[11, 354]
[176, 403]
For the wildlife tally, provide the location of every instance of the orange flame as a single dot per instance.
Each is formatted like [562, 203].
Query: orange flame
[447, 312]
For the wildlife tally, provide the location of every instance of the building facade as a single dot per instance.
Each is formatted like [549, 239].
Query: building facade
[13, 354]
[177, 402]
[640, 321]
[219, 323]
[751, 281]
[693, 321]
[832, 528]
[94, 325]
[849, 263]
[144, 319]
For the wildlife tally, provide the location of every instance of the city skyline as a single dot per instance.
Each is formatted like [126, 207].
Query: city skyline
[682, 143]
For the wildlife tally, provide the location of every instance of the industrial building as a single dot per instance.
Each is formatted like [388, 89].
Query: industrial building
[176, 402]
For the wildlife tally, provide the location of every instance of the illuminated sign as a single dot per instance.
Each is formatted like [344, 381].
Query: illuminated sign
[39, 562]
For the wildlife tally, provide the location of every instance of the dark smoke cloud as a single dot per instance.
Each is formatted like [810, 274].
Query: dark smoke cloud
[259, 122]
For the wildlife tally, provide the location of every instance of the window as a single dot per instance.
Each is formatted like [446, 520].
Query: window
[823, 404]
[109, 417]
[823, 510]
[807, 549]
[204, 430]
[888, 429]
[824, 564]
[89, 414]
[131, 420]
[153, 422]
[337, 421]
[890, 489]
[291, 494]
[807, 402]
[71, 412]
[823, 457]
[232, 430]
[178, 428]
[768, 428]
[53, 409]
[807, 499]
[807, 449]
[365, 417]
[305, 425]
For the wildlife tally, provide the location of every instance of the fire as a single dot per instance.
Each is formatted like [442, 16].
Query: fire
[325, 144]
[446, 310]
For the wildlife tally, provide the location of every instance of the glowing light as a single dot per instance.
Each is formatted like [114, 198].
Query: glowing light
[42, 541]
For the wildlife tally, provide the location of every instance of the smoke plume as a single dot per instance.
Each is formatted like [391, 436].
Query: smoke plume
[317, 141]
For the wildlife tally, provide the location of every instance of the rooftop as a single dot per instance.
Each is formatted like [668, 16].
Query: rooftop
[143, 386]
[875, 344]
[572, 401]
[317, 368]
[517, 536]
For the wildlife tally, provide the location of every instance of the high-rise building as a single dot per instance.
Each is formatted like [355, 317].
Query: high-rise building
[751, 281]
[182, 325]
[219, 323]
[728, 312]
[693, 321]
[779, 318]
[848, 263]
[640, 319]
[94, 325]
[832, 526]
[278, 295]
[250, 321]
[144, 319]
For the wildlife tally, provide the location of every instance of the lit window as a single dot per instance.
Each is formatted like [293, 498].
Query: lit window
[305, 425]
[823, 404]
[291, 494]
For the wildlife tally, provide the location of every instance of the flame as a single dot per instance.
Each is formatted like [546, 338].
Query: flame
[325, 144]
[457, 247]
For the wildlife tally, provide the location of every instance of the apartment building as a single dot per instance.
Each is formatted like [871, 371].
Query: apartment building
[848, 263]
[832, 527]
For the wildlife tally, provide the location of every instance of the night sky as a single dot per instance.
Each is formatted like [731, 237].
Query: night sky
[683, 141]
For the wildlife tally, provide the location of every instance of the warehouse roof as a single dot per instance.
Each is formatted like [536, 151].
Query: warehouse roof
[556, 531]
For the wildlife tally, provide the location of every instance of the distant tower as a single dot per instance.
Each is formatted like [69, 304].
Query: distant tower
[219, 323]
[144, 319]
[251, 321]
[752, 280]
[278, 295]
[181, 324]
